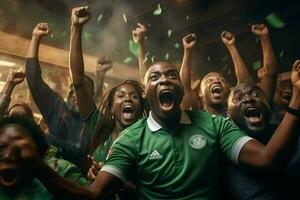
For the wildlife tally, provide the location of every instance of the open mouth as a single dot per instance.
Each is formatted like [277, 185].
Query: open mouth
[166, 99]
[253, 115]
[128, 111]
[8, 177]
[216, 90]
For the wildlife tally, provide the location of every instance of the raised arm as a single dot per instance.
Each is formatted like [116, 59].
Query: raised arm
[138, 35]
[241, 71]
[80, 16]
[189, 42]
[13, 79]
[256, 154]
[47, 100]
[268, 81]
[103, 65]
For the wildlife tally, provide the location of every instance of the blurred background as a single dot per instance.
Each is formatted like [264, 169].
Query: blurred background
[167, 21]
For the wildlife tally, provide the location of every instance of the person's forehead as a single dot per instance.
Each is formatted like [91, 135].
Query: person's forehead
[10, 133]
[126, 88]
[213, 75]
[161, 67]
[245, 88]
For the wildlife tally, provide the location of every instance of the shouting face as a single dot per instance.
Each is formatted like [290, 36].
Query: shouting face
[163, 90]
[248, 108]
[126, 105]
[283, 93]
[12, 172]
[214, 89]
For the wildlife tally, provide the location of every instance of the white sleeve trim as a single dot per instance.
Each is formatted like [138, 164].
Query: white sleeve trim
[236, 149]
[114, 171]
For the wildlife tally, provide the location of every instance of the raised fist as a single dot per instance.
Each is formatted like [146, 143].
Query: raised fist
[15, 78]
[259, 29]
[227, 38]
[104, 64]
[189, 41]
[295, 75]
[80, 15]
[41, 29]
[138, 33]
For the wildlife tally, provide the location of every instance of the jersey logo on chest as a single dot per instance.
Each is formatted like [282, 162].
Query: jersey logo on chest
[155, 155]
[197, 141]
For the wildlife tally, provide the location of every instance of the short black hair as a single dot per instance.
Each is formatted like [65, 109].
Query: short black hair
[29, 127]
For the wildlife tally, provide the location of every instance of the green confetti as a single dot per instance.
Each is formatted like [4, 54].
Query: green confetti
[87, 36]
[146, 57]
[169, 33]
[224, 68]
[99, 18]
[157, 11]
[256, 65]
[64, 33]
[208, 58]
[124, 18]
[152, 59]
[176, 45]
[134, 48]
[167, 56]
[281, 54]
[128, 60]
[224, 58]
[275, 21]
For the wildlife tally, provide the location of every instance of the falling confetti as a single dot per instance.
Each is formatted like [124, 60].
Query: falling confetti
[275, 21]
[167, 56]
[152, 59]
[124, 18]
[128, 60]
[134, 48]
[224, 68]
[256, 65]
[157, 11]
[229, 71]
[169, 33]
[224, 58]
[146, 37]
[51, 35]
[99, 18]
[146, 57]
[64, 33]
[257, 40]
[176, 45]
[87, 36]
[208, 58]
[187, 17]
[281, 54]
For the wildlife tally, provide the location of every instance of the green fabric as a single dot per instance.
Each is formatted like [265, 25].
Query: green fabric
[34, 191]
[164, 163]
[63, 167]
[100, 154]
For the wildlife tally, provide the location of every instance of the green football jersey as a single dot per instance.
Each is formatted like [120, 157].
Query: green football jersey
[175, 164]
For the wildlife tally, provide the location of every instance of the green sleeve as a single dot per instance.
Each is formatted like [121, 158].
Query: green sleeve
[231, 138]
[122, 157]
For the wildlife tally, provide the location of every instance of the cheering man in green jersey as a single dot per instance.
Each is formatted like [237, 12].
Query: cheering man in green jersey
[173, 154]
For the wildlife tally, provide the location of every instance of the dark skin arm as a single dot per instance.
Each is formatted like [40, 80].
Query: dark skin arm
[240, 68]
[190, 97]
[86, 105]
[268, 80]
[102, 67]
[256, 154]
[13, 79]
[138, 35]
[104, 185]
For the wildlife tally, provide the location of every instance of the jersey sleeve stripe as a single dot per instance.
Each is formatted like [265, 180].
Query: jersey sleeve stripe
[114, 171]
[237, 147]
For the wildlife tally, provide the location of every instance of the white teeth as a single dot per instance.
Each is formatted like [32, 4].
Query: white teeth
[128, 106]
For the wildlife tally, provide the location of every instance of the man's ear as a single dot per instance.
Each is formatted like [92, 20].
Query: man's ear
[227, 112]
[143, 94]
